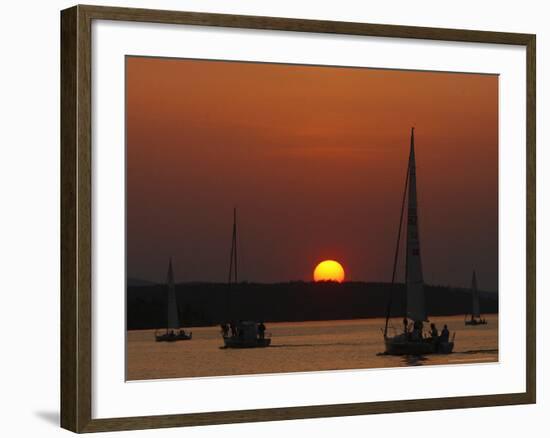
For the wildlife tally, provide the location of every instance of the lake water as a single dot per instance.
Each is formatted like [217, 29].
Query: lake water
[300, 346]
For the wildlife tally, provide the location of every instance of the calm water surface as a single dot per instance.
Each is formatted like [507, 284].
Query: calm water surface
[299, 346]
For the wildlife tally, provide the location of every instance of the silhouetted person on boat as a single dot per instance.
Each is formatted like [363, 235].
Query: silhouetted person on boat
[182, 332]
[417, 331]
[233, 329]
[225, 329]
[444, 334]
[433, 332]
[405, 325]
[434, 335]
[240, 329]
[261, 330]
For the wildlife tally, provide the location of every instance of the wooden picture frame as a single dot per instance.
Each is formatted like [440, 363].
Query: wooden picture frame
[76, 218]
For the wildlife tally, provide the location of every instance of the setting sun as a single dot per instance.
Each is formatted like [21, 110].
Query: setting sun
[329, 270]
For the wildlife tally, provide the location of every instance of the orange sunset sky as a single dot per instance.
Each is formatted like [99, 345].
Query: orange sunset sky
[314, 158]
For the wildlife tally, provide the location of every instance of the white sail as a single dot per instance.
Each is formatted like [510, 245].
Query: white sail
[416, 309]
[172, 305]
[475, 297]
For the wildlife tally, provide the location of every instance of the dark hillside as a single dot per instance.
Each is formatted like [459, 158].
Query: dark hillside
[202, 304]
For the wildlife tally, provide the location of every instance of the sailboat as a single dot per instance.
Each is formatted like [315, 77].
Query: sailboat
[411, 340]
[475, 317]
[173, 331]
[243, 334]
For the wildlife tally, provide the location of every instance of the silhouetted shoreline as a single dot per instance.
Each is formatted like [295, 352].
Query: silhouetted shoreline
[204, 304]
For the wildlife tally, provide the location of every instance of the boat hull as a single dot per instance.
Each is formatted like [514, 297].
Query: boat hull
[166, 337]
[401, 346]
[235, 342]
[476, 322]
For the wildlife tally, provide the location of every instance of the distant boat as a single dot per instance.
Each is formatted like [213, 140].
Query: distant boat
[475, 317]
[247, 335]
[412, 340]
[173, 331]
[241, 334]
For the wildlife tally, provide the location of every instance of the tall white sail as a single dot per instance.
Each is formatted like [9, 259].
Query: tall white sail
[172, 306]
[475, 297]
[416, 309]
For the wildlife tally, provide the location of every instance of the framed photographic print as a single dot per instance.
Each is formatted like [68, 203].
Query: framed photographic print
[268, 218]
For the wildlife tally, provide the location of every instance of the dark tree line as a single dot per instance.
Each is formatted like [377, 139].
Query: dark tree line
[203, 304]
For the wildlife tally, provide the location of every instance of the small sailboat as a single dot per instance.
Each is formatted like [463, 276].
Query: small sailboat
[173, 331]
[475, 317]
[241, 334]
[412, 340]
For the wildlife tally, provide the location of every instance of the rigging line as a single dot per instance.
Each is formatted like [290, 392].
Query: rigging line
[388, 310]
[235, 225]
[232, 255]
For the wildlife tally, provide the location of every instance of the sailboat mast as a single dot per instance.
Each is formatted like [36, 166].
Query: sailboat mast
[416, 309]
[396, 254]
[172, 317]
[475, 297]
[233, 257]
[235, 240]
